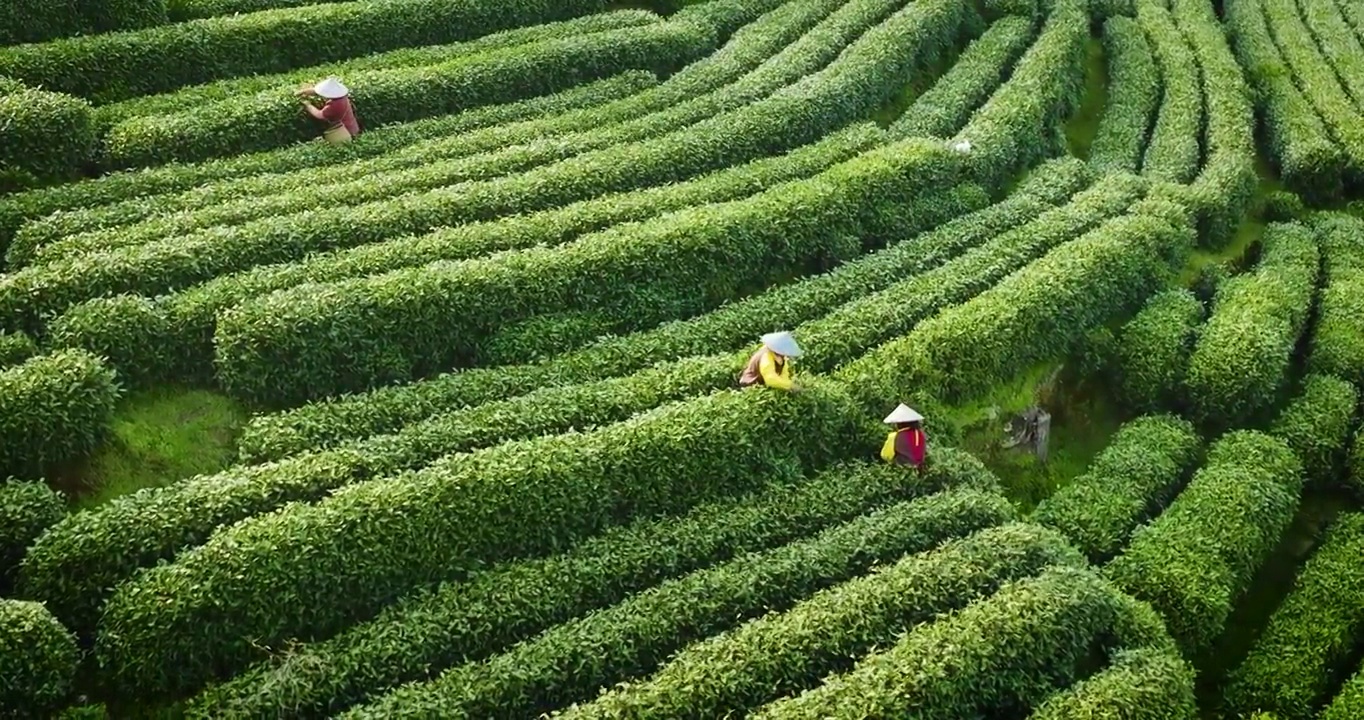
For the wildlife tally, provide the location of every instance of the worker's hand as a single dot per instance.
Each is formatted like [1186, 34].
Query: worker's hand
[795, 388]
[304, 90]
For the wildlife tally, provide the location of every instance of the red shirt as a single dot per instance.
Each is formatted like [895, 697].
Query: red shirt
[909, 446]
[340, 111]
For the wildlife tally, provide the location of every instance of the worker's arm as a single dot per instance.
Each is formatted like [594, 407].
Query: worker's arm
[771, 378]
[312, 110]
[888, 450]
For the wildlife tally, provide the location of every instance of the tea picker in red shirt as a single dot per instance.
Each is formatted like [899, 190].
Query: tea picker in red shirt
[907, 444]
[337, 110]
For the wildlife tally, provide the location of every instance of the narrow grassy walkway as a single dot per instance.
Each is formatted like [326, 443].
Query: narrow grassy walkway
[1083, 124]
[1083, 418]
[159, 436]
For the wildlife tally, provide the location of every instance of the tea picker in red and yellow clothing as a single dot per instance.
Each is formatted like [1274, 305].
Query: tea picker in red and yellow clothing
[907, 444]
[337, 110]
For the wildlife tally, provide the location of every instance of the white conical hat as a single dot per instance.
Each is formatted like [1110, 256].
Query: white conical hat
[903, 414]
[962, 146]
[331, 89]
[781, 343]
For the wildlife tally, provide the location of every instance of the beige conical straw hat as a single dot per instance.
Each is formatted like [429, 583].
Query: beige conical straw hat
[903, 414]
[331, 89]
[782, 343]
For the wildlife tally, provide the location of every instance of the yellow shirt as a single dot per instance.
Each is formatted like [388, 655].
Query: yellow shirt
[772, 377]
[762, 366]
[888, 450]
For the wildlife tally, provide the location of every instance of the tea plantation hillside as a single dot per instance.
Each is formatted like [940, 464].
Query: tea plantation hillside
[438, 413]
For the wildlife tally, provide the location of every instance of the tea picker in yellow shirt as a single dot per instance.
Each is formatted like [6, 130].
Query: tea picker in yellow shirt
[771, 364]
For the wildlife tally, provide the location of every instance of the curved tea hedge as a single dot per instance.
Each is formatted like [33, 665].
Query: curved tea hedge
[1173, 151]
[182, 10]
[44, 137]
[212, 610]
[53, 408]
[1143, 467]
[1317, 424]
[34, 21]
[980, 69]
[785, 653]
[1337, 343]
[1195, 559]
[1241, 359]
[463, 621]
[272, 118]
[114, 66]
[38, 660]
[27, 508]
[1134, 96]
[1311, 637]
[1039, 313]
[733, 327]
[1153, 351]
[1147, 683]
[15, 348]
[1012, 649]
[569, 662]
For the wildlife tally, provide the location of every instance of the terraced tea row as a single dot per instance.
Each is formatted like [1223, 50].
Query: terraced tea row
[72, 565]
[122, 189]
[461, 622]
[594, 266]
[781, 121]
[1173, 151]
[750, 47]
[729, 328]
[569, 662]
[504, 150]
[408, 57]
[959, 665]
[157, 59]
[231, 547]
[270, 119]
[175, 331]
[1134, 96]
